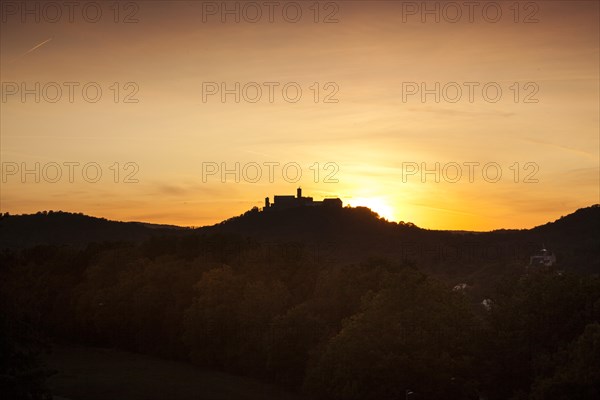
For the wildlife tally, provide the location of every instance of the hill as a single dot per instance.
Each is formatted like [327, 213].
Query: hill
[58, 228]
[358, 233]
[339, 235]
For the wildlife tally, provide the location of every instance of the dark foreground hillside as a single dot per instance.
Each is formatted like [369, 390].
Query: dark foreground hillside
[455, 316]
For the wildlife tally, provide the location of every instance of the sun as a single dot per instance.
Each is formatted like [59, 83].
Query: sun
[377, 204]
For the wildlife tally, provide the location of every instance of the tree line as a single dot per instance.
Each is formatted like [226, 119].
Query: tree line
[374, 329]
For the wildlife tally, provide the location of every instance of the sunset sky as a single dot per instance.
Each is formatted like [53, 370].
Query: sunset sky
[372, 137]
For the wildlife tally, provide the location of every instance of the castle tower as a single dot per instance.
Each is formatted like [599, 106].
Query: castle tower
[267, 202]
[299, 193]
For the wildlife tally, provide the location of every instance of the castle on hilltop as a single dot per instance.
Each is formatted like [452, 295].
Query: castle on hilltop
[286, 202]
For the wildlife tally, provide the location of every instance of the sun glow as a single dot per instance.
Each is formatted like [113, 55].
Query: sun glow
[408, 156]
[376, 204]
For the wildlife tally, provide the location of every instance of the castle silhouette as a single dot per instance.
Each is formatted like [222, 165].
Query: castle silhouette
[286, 202]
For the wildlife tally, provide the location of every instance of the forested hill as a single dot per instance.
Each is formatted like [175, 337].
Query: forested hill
[357, 233]
[58, 228]
[342, 234]
[584, 221]
[323, 221]
[305, 223]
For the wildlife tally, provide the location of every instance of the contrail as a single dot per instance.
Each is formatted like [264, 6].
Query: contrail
[37, 46]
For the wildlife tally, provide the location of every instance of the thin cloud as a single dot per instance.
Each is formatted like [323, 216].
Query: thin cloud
[558, 146]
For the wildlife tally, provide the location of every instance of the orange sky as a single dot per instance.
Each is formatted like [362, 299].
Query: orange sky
[376, 141]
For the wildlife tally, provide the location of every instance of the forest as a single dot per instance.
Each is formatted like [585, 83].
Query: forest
[357, 327]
